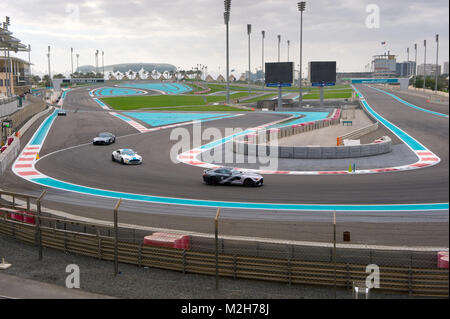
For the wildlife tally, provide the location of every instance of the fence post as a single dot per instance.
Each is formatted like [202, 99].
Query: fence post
[99, 240]
[334, 251]
[116, 235]
[216, 232]
[38, 225]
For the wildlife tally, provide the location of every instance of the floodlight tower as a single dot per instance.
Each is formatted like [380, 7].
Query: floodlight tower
[103, 63]
[288, 44]
[279, 42]
[415, 64]
[263, 33]
[96, 62]
[71, 60]
[78, 65]
[226, 15]
[301, 7]
[437, 65]
[49, 71]
[424, 63]
[249, 31]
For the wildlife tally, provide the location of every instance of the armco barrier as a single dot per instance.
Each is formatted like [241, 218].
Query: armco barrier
[412, 280]
[360, 132]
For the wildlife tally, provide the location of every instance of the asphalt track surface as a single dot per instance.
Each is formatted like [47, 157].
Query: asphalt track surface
[69, 156]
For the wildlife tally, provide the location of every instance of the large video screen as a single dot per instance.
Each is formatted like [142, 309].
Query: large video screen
[323, 71]
[279, 72]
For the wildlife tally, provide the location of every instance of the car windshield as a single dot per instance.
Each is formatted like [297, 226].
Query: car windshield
[104, 135]
[128, 152]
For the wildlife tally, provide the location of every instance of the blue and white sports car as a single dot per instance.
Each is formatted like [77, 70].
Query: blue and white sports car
[126, 156]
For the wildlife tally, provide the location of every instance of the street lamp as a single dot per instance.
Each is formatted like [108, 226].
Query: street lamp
[226, 16]
[437, 55]
[263, 33]
[249, 31]
[301, 7]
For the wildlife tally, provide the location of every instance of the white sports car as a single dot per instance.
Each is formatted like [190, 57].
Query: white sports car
[126, 156]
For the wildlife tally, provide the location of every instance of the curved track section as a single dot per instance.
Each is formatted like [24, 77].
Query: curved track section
[182, 184]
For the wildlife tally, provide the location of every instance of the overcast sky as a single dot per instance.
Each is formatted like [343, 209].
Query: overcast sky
[187, 33]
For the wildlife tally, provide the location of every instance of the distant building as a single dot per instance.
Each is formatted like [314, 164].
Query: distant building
[384, 65]
[344, 77]
[446, 67]
[220, 78]
[21, 76]
[428, 69]
[406, 69]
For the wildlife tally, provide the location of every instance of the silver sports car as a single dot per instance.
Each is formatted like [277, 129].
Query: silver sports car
[104, 138]
[126, 156]
[231, 176]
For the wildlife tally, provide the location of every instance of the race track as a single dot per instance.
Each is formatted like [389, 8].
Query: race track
[69, 156]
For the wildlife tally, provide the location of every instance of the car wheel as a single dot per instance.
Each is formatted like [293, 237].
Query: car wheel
[249, 183]
[121, 161]
[214, 181]
[113, 159]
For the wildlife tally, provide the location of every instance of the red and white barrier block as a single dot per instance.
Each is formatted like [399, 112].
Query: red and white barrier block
[169, 240]
[442, 259]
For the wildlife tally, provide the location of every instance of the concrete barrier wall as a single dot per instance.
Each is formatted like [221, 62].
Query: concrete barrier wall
[382, 146]
[8, 108]
[9, 155]
[12, 151]
[19, 117]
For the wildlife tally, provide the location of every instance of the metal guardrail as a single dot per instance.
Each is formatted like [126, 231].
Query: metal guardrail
[413, 280]
[360, 132]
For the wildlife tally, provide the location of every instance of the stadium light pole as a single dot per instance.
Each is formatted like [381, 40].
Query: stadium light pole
[249, 32]
[437, 66]
[280, 94]
[263, 33]
[288, 44]
[415, 64]
[279, 42]
[226, 15]
[49, 70]
[78, 65]
[71, 61]
[103, 64]
[424, 63]
[96, 62]
[301, 7]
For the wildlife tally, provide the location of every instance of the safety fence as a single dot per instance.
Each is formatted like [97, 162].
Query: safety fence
[286, 263]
